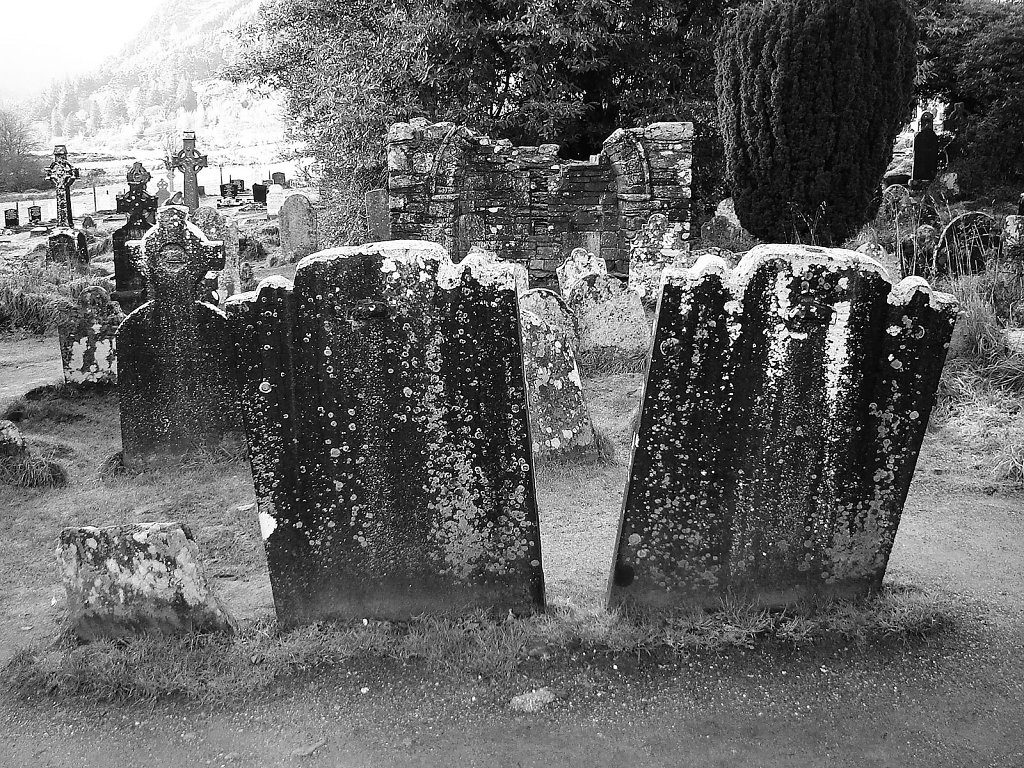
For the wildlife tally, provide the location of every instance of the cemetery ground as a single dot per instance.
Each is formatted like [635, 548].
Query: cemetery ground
[930, 674]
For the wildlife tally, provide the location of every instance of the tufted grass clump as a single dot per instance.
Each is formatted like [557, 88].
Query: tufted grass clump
[32, 472]
[259, 660]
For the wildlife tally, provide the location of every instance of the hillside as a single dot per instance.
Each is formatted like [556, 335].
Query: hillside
[164, 81]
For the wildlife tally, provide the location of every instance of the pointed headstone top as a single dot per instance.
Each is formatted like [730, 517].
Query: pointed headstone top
[138, 174]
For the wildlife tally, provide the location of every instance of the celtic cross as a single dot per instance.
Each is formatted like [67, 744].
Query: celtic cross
[62, 175]
[189, 162]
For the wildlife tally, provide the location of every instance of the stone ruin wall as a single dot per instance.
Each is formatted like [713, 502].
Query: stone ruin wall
[455, 187]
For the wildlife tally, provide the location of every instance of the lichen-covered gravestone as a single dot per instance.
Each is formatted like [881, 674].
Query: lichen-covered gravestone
[782, 416]
[579, 263]
[141, 208]
[389, 435]
[551, 308]
[658, 244]
[559, 419]
[614, 331]
[68, 247]
[144, 578]
[216, 227]
[87, 339]
[175, 358]
[297, 226]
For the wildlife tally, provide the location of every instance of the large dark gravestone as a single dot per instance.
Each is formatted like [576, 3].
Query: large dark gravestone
[68, 247]
[11, 218]
[130, 282]
[35, 214]
[175, 365]
[389, 434]
[782, 416]
[259, 193]
[926, 150]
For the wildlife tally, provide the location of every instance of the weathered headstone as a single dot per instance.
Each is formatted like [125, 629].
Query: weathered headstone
[551, 308]
[162, 194]
[239, 184]
[130, 282]
[226, 281]
[378, 216]
[62, 175]
[178, 198]
[259, 194]
[388, 426]
[560, 424]
[229, 191]
[88, 223]
[142, 578]
[580, 262]
[247, 278]
[11, 218]
[190, 162]
[613, 329]
[68, 247]
[658, 244]
[926, 150]
[35, 214]
[87, 339]
[297, 227]
[275, 199]
[175, 362]
[781, 419]
[279, 178]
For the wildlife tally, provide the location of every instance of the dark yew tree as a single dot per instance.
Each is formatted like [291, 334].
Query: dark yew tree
[811, 95]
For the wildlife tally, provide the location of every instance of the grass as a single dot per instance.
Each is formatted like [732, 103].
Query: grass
[217, 670]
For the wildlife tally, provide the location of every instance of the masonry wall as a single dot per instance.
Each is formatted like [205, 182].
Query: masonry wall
[455, 187]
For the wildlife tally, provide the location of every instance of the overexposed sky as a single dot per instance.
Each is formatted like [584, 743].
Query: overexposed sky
[45, 39]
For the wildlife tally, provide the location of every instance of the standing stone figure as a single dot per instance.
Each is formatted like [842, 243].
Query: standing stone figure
[926, 150]
[129, 280]
[176, 380]
[66, 245]
[190, 162]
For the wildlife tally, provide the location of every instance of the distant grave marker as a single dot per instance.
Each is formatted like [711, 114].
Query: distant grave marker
[190, 162]
[275, 199]
[259, 194]
[926, 150]
[62, 175]
[35, 215]
[297, 227]
[378, 217]
[11, 218]
[87, 339]
[279, 178]
[162, 194]
[129, 279]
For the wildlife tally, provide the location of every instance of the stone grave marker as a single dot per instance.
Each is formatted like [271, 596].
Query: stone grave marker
[658, 244]
[229, 191]
[87, 339]
[141, 578]
[68, 247]
[62, 175]
[275, 199]
[259, 194]
[239, 184]
[175, 362]
[278, 178]
[926, 150]
[297, 227]
[614, 332]
[88, 223]
[551, 308]
[378, 215]
[35, 215]
[227, 281]
[11, 218]
[162, 195]
[580, 262]
[389, 435]
[560, 424]
[129, 278]
[782, 414]
[190, 162]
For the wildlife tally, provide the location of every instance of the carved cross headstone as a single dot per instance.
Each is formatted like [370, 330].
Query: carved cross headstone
[175, 374]
[130, 282]
[190, 162]
[62, 175]
[162, 192]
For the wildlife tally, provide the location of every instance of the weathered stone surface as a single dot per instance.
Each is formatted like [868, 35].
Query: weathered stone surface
[560, 424]
[68, 247]
[12, 442]
[87, 340]
[658, 245]
[189, 162]
[613, 328]
[62, 175]
[297, 225]
[130, 282]
[551, 308]
[577, 265]
[162, 194]
[275, 199]
[175, 359]
[388, 426]
[217, 228]
[378, 217]
[782, 416]
[137, 579]
[926, 150]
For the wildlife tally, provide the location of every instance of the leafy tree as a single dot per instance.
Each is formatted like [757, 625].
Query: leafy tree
[811, 95]
[19, 169]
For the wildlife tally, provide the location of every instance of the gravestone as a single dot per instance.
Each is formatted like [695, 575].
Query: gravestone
[62, 175]
[297, 227]
[259, 193]
[926, 150]
[162, 194]
[614, 331]
[87, 339]
[178, 198]
[551, 308]
[275, 199]
[560, 424]
[469, 233]
[140, 206]
[190, 162]
[580, 262]
[226, 281]
[783, 411]
[137, 579]
[88, 223]
[278, 178]
[175, 361]
[378, 216]
[388, 430]
[11, 218]
[658, 244]
[246, 278]
[35, 214]
[68, 247]
[229, 191]
[239, 184]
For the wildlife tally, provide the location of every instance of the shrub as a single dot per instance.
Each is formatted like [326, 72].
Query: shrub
[811, 95]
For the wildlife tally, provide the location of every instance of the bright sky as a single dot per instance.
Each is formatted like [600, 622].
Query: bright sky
[45, 39]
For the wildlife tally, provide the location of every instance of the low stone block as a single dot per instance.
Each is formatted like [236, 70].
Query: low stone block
[580, 262]
[137, 579]
[613, 328]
